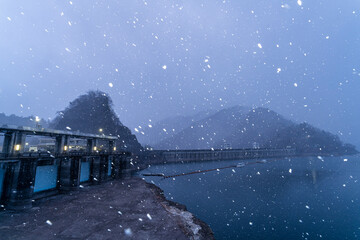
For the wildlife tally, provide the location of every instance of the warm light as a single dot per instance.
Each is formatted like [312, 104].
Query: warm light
[95, 148]
[17, 147]
[37, 119]
[65, 148]
[114, 148]
[100, 130]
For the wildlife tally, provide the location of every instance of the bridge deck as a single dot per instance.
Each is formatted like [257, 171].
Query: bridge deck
[51, 132]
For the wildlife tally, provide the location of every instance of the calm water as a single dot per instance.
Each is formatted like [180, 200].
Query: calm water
[297, 198]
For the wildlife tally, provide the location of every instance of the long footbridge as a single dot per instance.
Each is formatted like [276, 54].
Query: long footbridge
[198, 155]
[27, 174]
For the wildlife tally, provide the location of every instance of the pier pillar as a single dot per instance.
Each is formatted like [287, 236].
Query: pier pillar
[14, 143]
[96, 172]
[69, 173]
[112, 147]
[89, 145]
[118, 166]
[103, 169]
[126, 168]
[8, 143]
[95, 146]
[22, 186]
[61, 144]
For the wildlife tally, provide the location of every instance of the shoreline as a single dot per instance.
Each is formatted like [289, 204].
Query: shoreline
[121, 209]
[194, 227]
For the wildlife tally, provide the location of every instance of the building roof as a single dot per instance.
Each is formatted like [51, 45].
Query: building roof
[52, 132]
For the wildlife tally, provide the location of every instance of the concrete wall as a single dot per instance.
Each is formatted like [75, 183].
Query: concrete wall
[25, 178]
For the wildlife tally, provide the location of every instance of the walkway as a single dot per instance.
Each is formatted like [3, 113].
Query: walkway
[123, 209]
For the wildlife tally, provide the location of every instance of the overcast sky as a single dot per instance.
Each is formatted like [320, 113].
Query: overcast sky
[161, 58]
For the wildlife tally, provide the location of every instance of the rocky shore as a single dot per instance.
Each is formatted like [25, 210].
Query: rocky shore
[122, 209]
[193, 227]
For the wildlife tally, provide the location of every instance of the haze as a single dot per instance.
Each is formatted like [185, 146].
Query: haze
[158, 59]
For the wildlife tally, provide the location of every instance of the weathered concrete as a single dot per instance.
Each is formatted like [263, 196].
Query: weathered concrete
[122, 209]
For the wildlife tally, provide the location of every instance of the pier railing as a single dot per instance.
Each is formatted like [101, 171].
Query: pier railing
[169, 156]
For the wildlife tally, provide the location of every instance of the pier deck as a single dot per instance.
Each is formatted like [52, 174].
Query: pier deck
[114, 210]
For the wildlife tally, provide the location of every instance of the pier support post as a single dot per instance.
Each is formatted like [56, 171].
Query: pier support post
[69, 173]
[8, 143]
[103, 167]
[95, 174]
[14, 143]
[23, 184]
[116, 171]
[61, 144]
[112, 147]
[126, 168]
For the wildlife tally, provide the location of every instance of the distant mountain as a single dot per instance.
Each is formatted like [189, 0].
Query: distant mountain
[242, 127]
[20, 121]
[151, 134]
[307, 139]
[91, 112]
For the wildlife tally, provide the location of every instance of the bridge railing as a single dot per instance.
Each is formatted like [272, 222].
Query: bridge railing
[223, 154]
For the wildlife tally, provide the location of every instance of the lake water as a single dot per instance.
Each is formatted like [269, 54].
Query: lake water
[296, 198]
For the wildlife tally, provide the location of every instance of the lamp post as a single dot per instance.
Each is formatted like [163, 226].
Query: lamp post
[37, 120]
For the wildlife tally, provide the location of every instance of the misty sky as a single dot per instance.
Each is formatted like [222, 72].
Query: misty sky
[162, 58]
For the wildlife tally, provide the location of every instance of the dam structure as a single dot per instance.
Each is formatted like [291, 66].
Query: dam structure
[58, 162]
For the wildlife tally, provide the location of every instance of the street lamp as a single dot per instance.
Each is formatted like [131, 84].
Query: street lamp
[37, 120]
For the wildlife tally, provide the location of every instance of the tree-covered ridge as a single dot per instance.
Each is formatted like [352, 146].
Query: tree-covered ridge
[308, 139]
[20, 121]
[93, 113]
[241, 127]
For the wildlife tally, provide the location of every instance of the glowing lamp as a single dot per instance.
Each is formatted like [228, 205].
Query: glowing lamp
[17, 147]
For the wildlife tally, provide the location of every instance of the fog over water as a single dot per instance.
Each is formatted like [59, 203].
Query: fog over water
[163, 58]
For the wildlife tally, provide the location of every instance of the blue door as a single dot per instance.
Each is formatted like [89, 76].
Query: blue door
[109, 167]
[46, 177]
[85, 171]
[2, 176]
